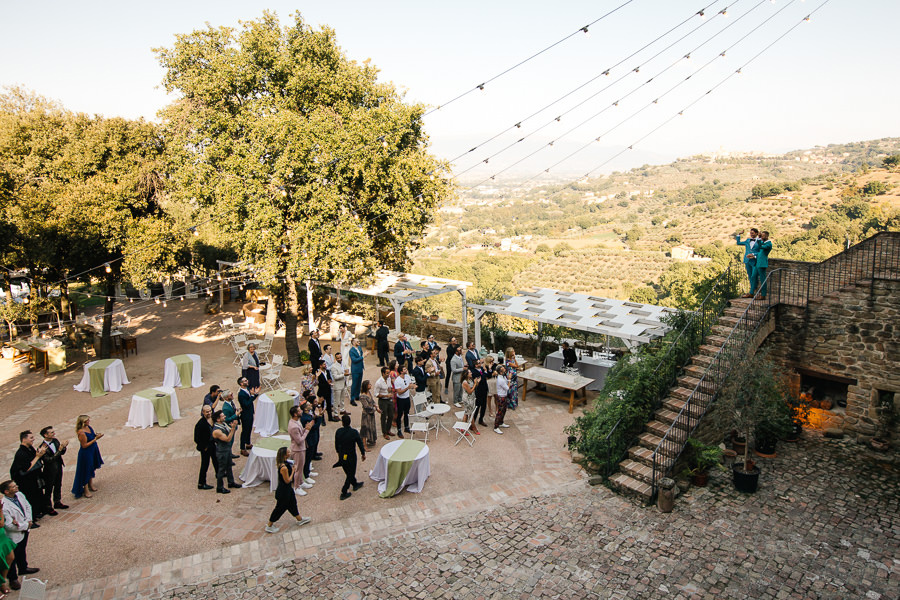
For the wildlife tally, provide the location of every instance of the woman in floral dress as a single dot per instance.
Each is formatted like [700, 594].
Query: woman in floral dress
[368, 429]
[512, 368]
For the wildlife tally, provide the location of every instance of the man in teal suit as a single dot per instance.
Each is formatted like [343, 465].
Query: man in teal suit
[750, 249]
[763, 247]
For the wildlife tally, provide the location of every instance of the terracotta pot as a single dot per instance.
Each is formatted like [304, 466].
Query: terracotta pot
[738, 447]
[700, 479]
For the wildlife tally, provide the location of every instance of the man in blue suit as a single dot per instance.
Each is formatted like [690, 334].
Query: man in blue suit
[750, 250]
[403, 352]
[764, 246]
[357, 368]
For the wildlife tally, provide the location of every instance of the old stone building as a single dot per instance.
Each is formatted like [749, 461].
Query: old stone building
[843, 348]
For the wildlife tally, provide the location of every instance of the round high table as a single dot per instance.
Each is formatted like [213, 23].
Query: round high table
[261, 462]
[101, 376]
[183, 371]
[272, 412]
[153, 405]
[401, 464]
[437, 412]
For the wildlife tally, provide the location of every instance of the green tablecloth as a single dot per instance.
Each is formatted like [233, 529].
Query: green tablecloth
[56, 359]
[283, 403]
[271, 443]
[161, 404]
[399, 465]
[185, 366]
[97, 372]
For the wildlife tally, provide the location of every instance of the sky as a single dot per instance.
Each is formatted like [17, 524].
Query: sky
[830, 80]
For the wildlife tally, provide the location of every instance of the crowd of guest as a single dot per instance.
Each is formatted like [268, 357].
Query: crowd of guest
[34, 491]
[482, 387]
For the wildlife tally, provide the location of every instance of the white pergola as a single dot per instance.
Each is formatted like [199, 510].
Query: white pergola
[631, 322]
[398, 289]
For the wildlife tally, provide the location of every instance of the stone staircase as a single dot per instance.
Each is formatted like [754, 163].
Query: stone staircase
[636, 471]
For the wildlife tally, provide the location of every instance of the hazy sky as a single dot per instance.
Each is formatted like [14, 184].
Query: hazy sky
[833, 79]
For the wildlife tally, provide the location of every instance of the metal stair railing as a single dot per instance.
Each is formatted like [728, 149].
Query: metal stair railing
[669, 366]
[732, 351]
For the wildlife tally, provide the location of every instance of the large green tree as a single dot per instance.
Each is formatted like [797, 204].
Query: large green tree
[79, 191]
[313, 168]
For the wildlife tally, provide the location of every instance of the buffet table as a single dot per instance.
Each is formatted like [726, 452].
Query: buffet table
[572, 383]
[593, 367]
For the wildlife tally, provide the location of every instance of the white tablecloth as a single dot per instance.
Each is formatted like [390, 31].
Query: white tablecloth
[261, 467]
[265, 419]
[415, 479]
[114, 377]
[592, 367]
[142, 413]
[171, 377]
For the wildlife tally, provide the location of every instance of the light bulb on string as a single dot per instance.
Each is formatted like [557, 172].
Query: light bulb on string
[586, 31]
[108, 268]
[195, 231]
[702, 14]
[724, 12]
[157, 299]
[165, 305]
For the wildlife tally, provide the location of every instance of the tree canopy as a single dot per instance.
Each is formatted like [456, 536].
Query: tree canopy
[313, 168]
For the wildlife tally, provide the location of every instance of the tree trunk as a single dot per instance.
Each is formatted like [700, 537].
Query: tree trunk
[291, 305]
[105, 339]
[67, 308]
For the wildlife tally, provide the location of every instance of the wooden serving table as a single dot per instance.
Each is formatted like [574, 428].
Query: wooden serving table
[573, 383]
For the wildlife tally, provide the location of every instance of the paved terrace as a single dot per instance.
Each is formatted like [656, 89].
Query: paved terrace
[824, 524]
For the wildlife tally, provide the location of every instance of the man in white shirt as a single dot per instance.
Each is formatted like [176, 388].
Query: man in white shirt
[17, 522]
[339, 377]
[402, 385]
[344, 337]
[383, 391]
[457, 369]
[328, 357]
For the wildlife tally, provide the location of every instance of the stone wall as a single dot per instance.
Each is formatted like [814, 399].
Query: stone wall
[853, 334]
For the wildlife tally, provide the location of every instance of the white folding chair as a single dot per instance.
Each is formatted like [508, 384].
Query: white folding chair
[420, 417]
[265, 346]
[277, 360]
[33, 589]
[272, 378]
[239, 345]
[462, 430]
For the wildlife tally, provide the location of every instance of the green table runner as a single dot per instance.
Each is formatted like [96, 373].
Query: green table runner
[271, 443]
[283, 403]
[97, 373]
[185, 366]
[399, 465]
[161, 404]
[56, 359]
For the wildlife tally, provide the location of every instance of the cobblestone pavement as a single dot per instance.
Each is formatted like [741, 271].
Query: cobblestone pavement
[824, 524]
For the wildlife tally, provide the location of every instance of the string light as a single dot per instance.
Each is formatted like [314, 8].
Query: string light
[157, 299]
[108, 268]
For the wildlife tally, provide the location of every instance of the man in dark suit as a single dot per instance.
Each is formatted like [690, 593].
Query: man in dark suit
[451, 352]
[246, 396]
[471, 355]
[203, 440]
[26, 471]
[346, 440]
[323, 390]
[481, 392]
[569, 356]
[315, 349]
[403, 352]
[419, 374]
[381, 343]
[53, 469]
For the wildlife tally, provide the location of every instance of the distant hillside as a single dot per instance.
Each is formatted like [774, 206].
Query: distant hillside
[612, 234]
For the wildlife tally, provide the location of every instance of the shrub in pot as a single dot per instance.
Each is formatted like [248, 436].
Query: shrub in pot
[304, 356]
[755, 393]
[701, 458]
[777, 425]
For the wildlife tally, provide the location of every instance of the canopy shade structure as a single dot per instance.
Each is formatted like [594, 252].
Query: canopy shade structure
[400, 288]
[631, 322]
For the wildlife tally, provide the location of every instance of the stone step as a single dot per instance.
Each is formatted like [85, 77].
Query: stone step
[710, 350]
[636, 470]
[629, 486]
[715, 340]
[681, 392]
[689, 382]
[675, 405]
[701, 360]
[695, 371]
[728, 321]
[721, 330]
[645, 456]
[668, 416]
[660, 428]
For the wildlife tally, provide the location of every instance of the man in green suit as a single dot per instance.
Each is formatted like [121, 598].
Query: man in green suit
[750, 250]
[764, 246]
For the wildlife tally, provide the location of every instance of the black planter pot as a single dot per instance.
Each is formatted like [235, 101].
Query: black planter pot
[796, 432]
[745, 482]
[766, 447]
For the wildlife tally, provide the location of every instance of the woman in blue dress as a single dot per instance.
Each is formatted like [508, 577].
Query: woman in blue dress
[89, 459]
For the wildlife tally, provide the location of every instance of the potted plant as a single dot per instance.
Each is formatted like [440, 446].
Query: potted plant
[777, 425]
[799, 407]
[702, 457]
[304, 357]
[755, 392]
